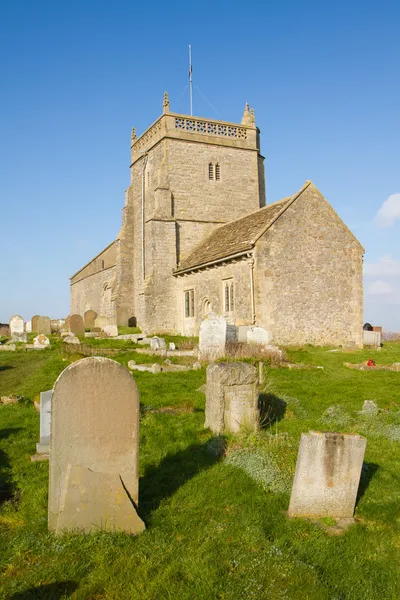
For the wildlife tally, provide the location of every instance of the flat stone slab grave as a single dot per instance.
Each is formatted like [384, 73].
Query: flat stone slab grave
[327, 475]
[232, 398]
[45, 421]
[94, 449]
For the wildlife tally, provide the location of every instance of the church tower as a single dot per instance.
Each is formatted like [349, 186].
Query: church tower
[188, 176]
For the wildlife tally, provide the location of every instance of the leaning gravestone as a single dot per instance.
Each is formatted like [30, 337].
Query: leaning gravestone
[89, 318]
[44, 325]
[45, 419]
[258, 335]
[35, 321]
[94, 449]
[17, 329]
[76, 325]
[327, 475]
[215, 333]
[232, 398]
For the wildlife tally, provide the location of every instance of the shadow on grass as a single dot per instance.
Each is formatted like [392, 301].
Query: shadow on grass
[6, 488]
[160, 482]
[6, 367]
[272, 409]
[368, 472]
[48, 591]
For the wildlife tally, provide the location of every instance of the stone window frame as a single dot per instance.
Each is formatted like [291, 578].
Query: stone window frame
[213, 171]
[188, 296]
[228, 295]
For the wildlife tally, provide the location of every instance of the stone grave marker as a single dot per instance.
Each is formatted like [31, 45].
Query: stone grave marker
[157, 343]
[35, 321]
[258, 335]
[111, 330]
[45, 419]
[17, 329]
[94, 449]
[232, 398]
[76, 325]
[212, 337]
[327, 475]
[44, 325]
[41, 341]
[28, 326]
[89, 318]
[102, 322]
[132, 322]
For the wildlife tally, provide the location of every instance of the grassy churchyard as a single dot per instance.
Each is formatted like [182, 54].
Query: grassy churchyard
[214, 507]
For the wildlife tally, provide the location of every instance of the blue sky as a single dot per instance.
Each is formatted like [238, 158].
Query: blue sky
[76, 76]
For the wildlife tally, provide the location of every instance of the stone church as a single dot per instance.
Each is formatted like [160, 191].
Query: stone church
[197, 236]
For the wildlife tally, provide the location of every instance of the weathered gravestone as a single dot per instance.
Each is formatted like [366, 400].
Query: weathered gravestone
[157, 343]
[111, 330]
[89, 318]
[17, 329]
[102, 322]
[35, 321]
[215, 333]
[94, 449]
[327, 475]
[258, 335]
[41, 341]
[232, 398]
[76, 325]
[28, 326]
[45, 419]
[44, 325]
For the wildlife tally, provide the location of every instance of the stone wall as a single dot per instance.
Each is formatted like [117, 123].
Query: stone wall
[208, 287]
[308, 276]
[94, 292]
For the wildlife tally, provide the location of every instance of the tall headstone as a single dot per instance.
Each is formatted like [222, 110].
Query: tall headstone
[258, 335]
[28, 326]
[44, 325]
[215, 333]
[232, 398]
[327, 475]
[76, 325]
[17, 329]
[35, 321]
[89, 318]
[45, 419]
[94, 448]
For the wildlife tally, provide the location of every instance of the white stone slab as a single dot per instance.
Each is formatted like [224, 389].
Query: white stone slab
[258, 335]
[45, 422]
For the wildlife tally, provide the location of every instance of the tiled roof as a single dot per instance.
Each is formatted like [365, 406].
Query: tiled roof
[237, 236]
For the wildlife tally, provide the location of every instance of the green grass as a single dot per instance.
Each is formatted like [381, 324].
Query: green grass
[216, 527]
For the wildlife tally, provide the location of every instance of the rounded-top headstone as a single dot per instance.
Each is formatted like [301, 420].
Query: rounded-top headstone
[95, 428]
[76, 325]
[17, 329]
[44, 325]
[102, 321]
[35, 321]
[89, 318]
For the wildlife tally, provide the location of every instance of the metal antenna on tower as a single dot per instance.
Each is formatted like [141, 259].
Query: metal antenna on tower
[190, 81]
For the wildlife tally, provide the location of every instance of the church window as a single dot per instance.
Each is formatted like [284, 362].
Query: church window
[228, 292]
[214, 171]
[102, 264]
[189, 303]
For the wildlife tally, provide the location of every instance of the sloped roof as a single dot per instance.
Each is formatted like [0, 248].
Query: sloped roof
[237, 236]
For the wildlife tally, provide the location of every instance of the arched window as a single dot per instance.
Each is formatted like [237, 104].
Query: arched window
[214, 171]
[210, 171]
